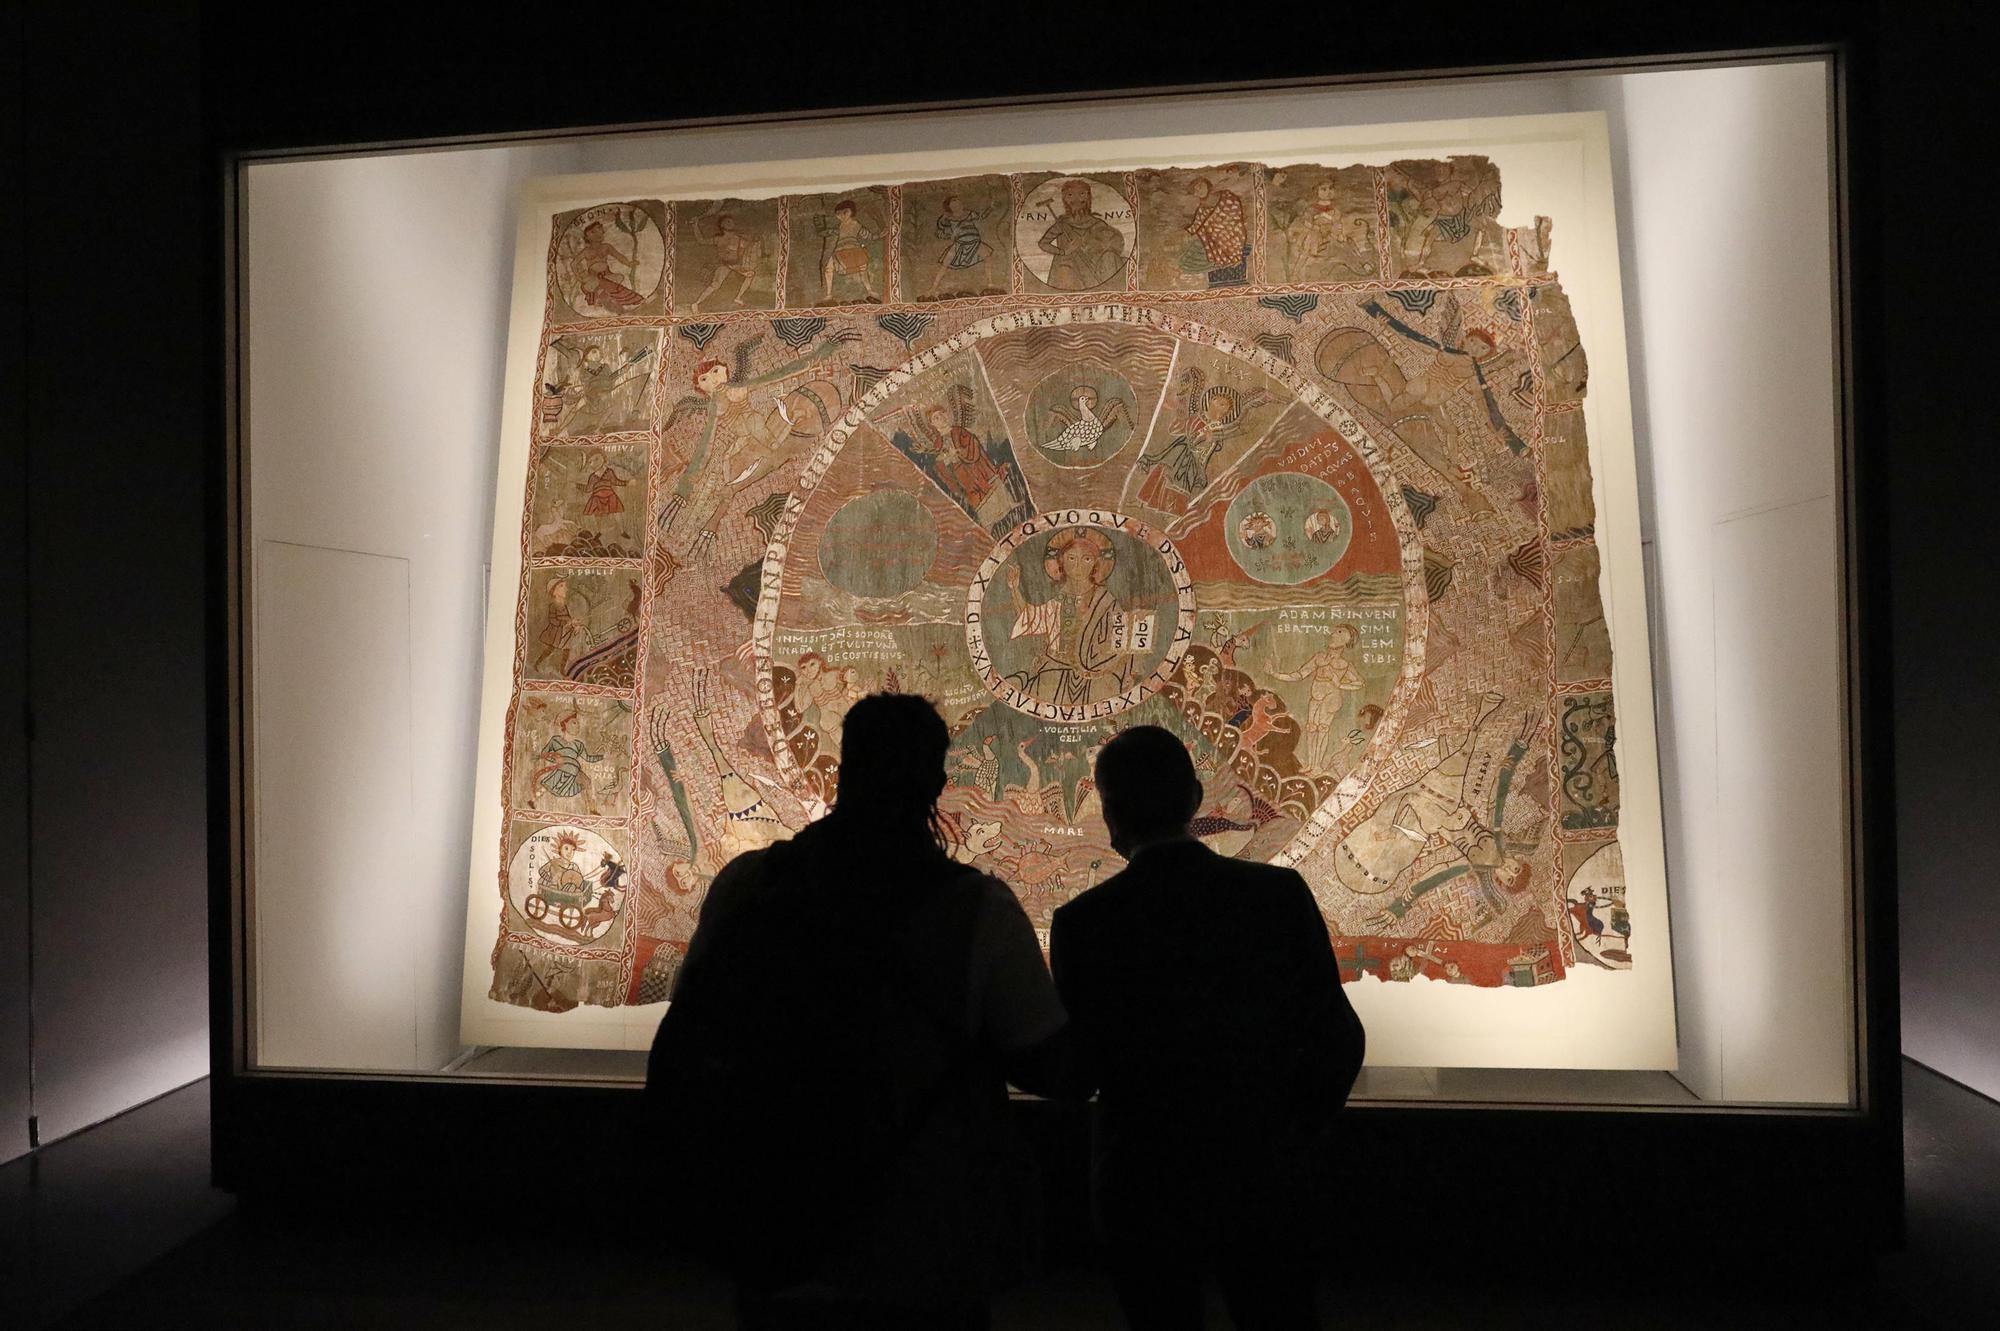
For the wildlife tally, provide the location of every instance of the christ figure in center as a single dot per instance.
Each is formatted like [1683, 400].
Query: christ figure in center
[1084, 656]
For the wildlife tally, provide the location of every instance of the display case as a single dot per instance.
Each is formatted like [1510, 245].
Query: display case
[1463, 469]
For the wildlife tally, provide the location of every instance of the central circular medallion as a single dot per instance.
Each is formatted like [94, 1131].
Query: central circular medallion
[1078, 614]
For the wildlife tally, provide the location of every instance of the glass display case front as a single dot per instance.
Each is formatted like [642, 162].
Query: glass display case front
[1421, 459]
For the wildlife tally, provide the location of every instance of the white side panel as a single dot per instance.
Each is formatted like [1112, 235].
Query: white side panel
[337, 969]
[1786, 1032]
[377, 293]
[1725, 237]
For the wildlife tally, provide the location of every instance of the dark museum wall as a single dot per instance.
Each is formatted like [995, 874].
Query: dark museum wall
[15, 1026]
[1941, 437]
[110, 500]
[102, 370]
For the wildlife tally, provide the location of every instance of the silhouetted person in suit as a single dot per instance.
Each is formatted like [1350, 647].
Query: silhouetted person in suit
[1205, 989]
[827, 1092]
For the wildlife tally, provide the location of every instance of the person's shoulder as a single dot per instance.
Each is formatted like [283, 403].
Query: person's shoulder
[1243, 880]
[739, 877]
[962, 892]
[1262, 873]
[1275, 882]
[991, 890]
[1092, 902]
[737, 888]
[748, 865]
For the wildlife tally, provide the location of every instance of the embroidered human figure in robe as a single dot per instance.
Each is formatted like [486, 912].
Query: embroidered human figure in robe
[1081, 659]
[1221, 236]
[824, 693]
[1321, 245]
[736, 258]
[1455, 223]
[594, 391]
[846, 261]
[563, 760]
[602, 486]
[564, 621]
[1086, 250]
[591, 264]
[966, 246]
[561, 873]
[1585, 927]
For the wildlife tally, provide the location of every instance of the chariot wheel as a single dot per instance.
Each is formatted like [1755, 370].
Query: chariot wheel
[535, 908]
[569, 917]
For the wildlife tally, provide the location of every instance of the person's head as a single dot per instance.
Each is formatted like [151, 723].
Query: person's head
[892, 749]
[1514, 874]
[1199, 187]
[593, 355]
[1342, 636]
[1219, 407]
[1324, 191]
[953, 207]
[594, 232]
[939, 417]
[710, 375]
[1076, 196]
[1079, 558]
[1148, 785]
[726, 222]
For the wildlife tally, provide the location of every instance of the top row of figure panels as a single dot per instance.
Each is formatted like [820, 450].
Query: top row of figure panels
[980, 237]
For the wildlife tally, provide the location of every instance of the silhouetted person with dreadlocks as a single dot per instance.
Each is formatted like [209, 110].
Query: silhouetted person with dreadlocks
[1207, 992]
[827, 1092]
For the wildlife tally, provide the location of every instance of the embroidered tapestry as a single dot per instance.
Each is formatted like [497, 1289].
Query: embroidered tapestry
[1288, 460]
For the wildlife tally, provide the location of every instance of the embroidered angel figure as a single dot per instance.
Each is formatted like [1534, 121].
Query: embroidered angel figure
[722, 396]
[943, 437]
[1209, 417]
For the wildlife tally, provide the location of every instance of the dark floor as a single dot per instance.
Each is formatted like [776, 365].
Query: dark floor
[100, 1212]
